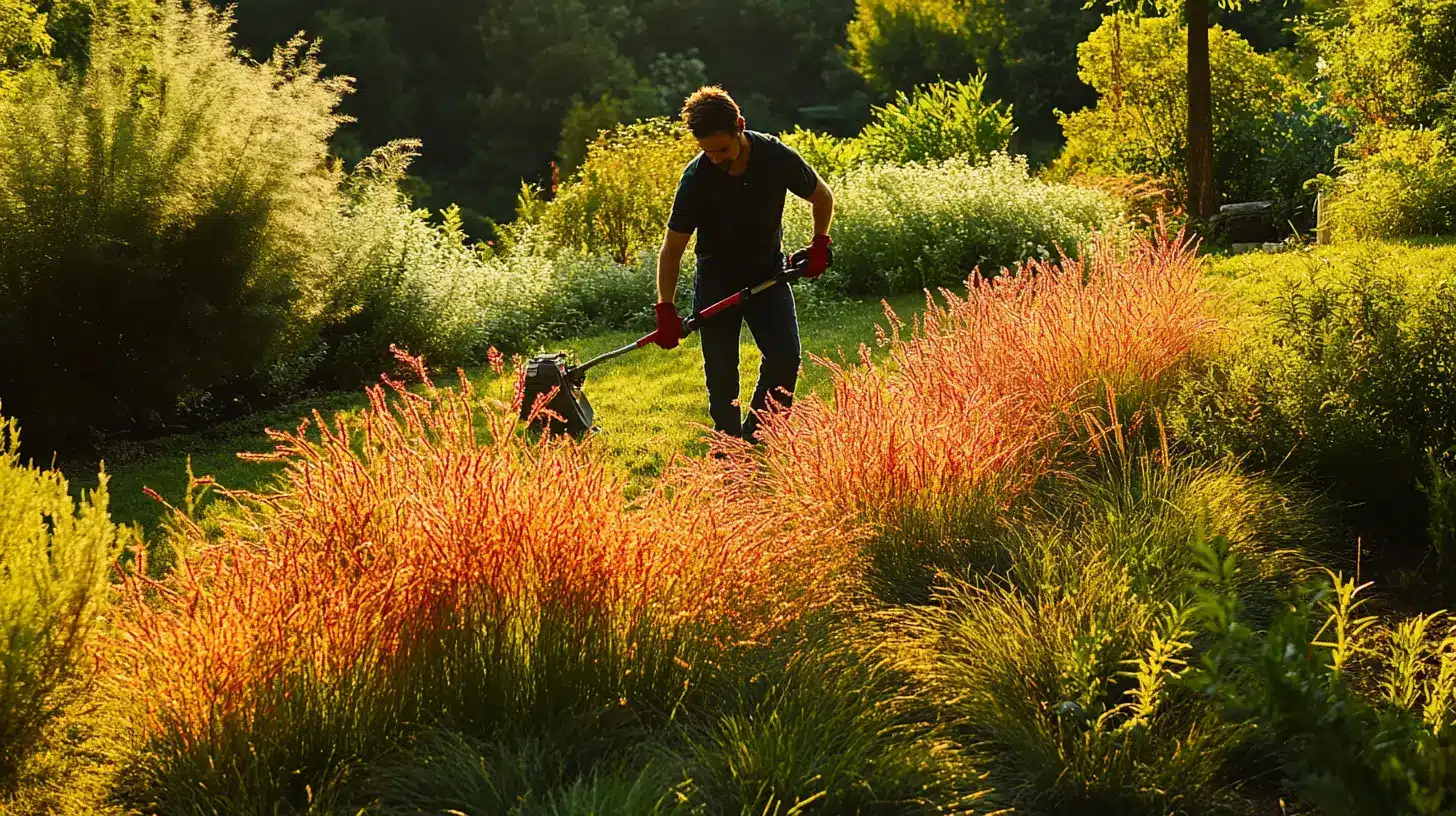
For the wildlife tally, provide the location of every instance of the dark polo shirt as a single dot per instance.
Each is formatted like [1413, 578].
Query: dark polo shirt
[739, 220]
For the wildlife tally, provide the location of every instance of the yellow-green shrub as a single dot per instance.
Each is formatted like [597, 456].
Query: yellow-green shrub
[831, 156]
[55, 557]
[1269, 135]
[1397, 184]
[938, 121]
[619, 202]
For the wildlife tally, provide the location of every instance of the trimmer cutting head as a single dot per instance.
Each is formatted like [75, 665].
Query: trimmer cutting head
[572, 410]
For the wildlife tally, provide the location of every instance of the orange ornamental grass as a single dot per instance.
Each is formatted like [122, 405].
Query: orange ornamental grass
[974, 403]
[434, 509]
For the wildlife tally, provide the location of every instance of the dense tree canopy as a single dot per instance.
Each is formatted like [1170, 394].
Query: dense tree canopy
[497, 91]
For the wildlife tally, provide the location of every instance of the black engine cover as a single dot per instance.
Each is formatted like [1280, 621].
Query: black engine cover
[573, 410]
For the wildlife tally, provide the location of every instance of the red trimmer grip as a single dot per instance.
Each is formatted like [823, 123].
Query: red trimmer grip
[722, 305]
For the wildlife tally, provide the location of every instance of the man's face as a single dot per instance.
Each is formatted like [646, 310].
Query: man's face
[721, 148]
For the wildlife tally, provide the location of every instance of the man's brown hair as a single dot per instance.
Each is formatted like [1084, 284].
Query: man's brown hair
[710, 110]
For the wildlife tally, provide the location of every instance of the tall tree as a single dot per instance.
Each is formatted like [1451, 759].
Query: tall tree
[1201, 198]
[1200, 113]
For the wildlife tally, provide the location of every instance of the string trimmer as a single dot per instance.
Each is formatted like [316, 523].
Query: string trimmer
[568, 410]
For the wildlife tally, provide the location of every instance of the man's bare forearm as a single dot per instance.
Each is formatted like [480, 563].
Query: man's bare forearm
[823, 202]
[669, 269]
[669, 264]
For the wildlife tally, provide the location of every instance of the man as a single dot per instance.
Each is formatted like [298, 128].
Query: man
[732, 194]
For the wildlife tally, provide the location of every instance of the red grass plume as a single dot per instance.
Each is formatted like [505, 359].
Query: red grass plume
[974, 402]
[434, 504]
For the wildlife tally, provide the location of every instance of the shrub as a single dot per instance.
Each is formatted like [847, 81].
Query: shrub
[943, 120]
[1339, 367]
[439, 568]
[1394, 184]
[56, 556]
[1139, 126]
[398, 278]
[902, 229]
[156, 223]
[1390, 62]
[830, 156]
[618, 204]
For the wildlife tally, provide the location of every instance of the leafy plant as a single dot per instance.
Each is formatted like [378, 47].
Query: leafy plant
[1359, 713]
[56, 557]
[936, 122]
[1070, 690]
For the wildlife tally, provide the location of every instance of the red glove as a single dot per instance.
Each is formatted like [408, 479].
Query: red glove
[818, 256]
[669, 326]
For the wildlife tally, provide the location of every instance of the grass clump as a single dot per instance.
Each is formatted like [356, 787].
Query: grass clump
[410, 571]
[1066, 690]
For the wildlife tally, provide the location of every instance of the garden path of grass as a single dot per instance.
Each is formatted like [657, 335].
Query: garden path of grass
[649, 406]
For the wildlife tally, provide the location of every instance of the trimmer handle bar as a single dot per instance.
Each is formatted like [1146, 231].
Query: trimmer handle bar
[793, 270]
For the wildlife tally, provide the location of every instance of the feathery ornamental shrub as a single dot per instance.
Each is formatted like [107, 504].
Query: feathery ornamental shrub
[157, 219]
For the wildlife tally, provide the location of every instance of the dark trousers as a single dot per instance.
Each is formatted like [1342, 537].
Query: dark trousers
[774, 323]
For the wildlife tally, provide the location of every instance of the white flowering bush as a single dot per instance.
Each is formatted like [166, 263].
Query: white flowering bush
[903, 228]
[403, 280]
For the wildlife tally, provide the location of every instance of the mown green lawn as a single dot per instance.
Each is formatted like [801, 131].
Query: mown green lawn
[650, 405]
